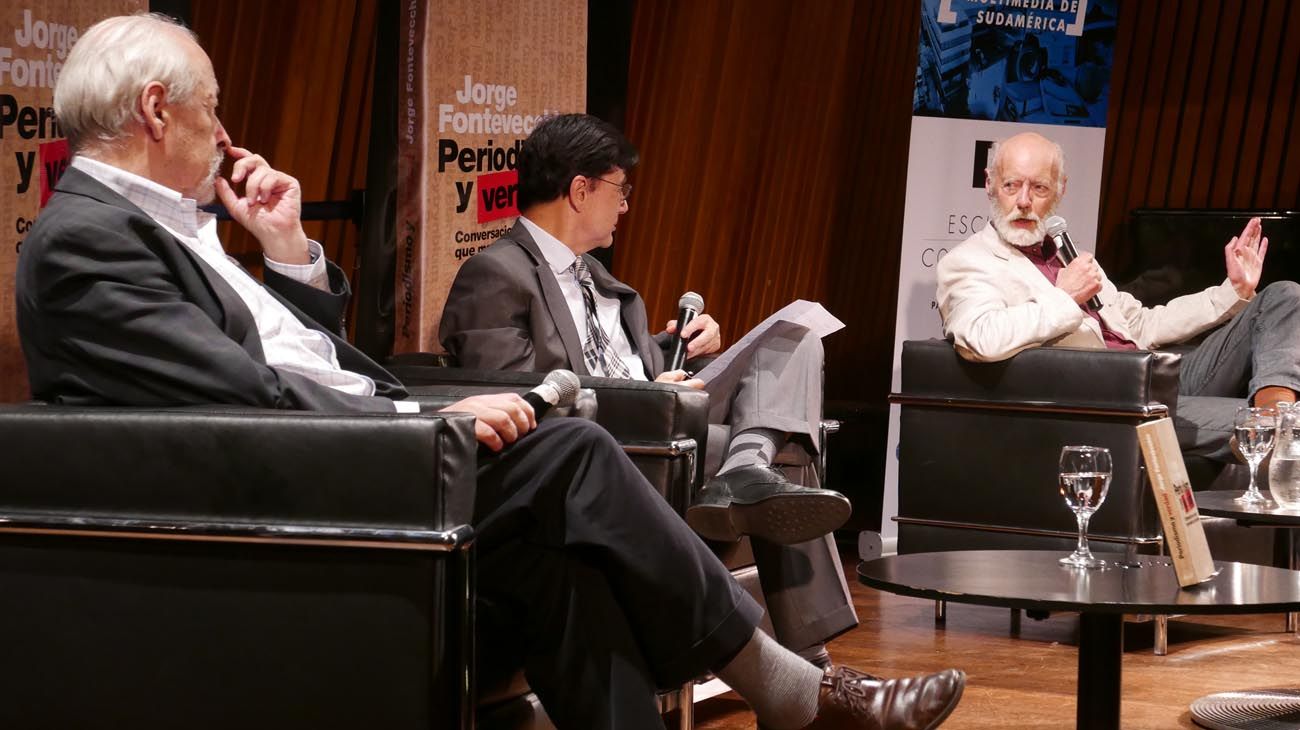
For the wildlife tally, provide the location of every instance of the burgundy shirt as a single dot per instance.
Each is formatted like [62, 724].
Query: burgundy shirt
[1044, 258]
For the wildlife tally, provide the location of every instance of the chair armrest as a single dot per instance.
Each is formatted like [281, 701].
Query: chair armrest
[437, 397]
[239, 465]
[1139, 382]
[636, 412]
[631, 410]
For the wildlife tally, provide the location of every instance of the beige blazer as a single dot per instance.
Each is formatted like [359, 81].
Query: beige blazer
[995, 303]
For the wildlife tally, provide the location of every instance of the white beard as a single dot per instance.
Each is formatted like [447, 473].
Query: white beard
[1018, 237]
[207, 191]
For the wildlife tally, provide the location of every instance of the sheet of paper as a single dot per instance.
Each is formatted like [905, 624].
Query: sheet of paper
[801, 311]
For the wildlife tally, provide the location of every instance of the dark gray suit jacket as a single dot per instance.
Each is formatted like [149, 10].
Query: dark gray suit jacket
[112, 309]
[505, 311]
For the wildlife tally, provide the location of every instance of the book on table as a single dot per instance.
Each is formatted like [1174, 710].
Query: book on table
[1179, 518]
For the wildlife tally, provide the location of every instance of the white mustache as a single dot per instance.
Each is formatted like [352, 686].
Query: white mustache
[215, 166]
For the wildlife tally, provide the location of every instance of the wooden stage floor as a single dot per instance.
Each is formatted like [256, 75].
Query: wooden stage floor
[1029, 681]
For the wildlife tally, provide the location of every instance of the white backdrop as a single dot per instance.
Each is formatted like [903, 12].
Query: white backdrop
[944, 208]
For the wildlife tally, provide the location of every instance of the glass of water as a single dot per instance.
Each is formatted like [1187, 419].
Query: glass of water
[1085, 477]
[1254, 429]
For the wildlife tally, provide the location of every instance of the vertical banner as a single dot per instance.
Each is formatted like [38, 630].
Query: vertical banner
[475, 78]
[987, 70]
[35, 37]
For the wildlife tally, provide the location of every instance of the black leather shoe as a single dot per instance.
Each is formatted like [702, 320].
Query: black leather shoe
[760, 501]
[851, 700]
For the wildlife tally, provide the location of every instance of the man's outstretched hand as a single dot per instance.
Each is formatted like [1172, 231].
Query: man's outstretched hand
[1244, 256]
[270, 208]
[501, 417]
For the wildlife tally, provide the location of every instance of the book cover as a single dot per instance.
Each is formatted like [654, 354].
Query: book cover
[1179, 518]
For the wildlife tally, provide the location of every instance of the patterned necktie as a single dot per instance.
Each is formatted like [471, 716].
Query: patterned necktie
[596, 349]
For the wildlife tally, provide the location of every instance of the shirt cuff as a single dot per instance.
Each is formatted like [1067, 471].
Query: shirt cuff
[406, 406]
[1226, 299]
[313, 274]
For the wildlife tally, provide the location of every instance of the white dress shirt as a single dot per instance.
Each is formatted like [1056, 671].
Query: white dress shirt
[287, 343]
[609, 312]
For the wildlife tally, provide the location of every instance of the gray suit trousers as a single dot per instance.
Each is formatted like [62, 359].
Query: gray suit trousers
[1257, 348]
[781, 389]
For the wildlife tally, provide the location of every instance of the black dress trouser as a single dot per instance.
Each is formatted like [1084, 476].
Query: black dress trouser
[599, 588]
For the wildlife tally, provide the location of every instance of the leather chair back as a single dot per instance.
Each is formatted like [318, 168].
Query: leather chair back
[220, 568]
[980, 442]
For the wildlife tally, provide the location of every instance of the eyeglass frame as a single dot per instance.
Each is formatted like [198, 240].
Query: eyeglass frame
[624, 187]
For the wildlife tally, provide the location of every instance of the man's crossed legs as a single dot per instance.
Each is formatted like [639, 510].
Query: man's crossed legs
[604, 594]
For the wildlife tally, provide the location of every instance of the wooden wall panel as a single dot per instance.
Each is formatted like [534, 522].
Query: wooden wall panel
[295, 87]
[774, 142]
[1204, 102]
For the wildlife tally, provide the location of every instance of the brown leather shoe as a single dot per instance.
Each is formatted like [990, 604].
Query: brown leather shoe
[851, 700]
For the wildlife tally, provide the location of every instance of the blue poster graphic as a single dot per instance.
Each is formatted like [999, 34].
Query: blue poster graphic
[1029, 61]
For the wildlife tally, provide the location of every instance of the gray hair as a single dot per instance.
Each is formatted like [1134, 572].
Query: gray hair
[99, 88]
[1058, 163]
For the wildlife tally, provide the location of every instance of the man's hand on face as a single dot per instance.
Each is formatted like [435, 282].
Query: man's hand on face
[1081, 279]
[709, 340]
[680, 377]
[1244, 256]
[502, 418]
[270, 208]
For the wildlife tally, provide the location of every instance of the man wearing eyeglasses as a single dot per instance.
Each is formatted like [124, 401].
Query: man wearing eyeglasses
[536, 300]
[1005, 289]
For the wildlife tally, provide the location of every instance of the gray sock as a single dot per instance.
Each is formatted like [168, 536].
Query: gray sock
[753, 447]
[782, 688]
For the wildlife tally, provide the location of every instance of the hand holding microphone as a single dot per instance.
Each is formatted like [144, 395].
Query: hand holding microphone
[502, 418]
[1081, 277]
[688, 308]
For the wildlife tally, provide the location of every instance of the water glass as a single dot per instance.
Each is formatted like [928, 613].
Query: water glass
[1284, 468]
[1084, 480]
[1254, 429]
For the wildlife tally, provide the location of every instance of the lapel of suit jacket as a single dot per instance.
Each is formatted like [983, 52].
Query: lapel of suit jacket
[554, 299]
[230, 313]
[1020, 268]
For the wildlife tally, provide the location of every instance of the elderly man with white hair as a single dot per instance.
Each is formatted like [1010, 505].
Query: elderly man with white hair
[125, 296]
[1005, 289]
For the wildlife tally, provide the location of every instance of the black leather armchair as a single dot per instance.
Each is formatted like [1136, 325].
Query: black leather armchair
[979, 445]
[979, 442]
[235, 568]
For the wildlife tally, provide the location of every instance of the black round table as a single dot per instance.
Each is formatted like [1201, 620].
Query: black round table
[1224, 504]
[1265, 514]
[1034, 580]
[1251, 708]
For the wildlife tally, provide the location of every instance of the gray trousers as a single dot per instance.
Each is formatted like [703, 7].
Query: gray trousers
[781, 388]
[1257, 348]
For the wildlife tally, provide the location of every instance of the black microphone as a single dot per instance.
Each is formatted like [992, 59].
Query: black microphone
[558, 388]
[1056, 229]
[688, 308]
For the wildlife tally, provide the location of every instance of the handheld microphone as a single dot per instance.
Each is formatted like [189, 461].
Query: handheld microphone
[558, 388]
[1056, 229]
[688, 308]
